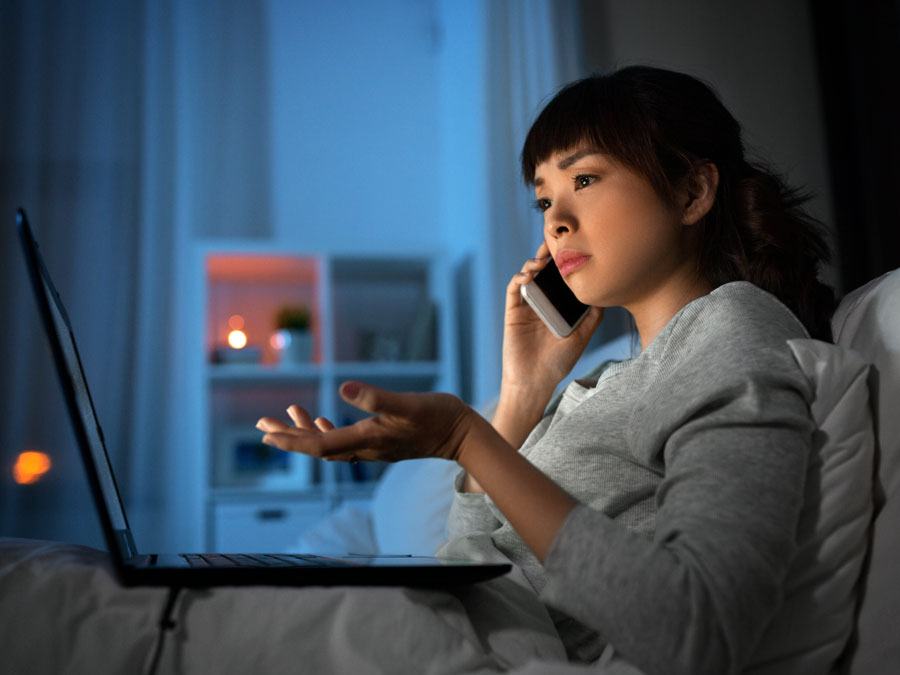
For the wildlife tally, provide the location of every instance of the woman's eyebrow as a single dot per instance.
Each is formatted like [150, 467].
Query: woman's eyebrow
[566, 162]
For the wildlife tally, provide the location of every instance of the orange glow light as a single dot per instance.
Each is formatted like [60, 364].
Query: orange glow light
[236, 322]
[237, 339]
[30, 466]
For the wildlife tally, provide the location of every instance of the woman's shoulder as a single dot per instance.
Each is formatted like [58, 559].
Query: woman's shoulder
[739, 310]
[737, 323]
[729, 345]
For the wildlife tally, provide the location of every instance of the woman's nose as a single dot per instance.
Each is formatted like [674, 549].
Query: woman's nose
[557, 226]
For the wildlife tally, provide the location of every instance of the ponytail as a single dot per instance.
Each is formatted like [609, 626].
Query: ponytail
[759, 232]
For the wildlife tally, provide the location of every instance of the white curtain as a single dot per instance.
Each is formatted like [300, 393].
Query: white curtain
[126, 130]
[71, 135]
[533, 49]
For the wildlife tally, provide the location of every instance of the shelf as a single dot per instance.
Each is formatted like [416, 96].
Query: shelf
[255, 288]
[257, 372]
[388, 369]
[350, 491]
[387, 320]
[242, 495]
[253, 373]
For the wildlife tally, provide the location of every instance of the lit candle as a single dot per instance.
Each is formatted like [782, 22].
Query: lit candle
[237, 338]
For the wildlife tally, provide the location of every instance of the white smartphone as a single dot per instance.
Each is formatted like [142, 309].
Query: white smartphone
[553, 301]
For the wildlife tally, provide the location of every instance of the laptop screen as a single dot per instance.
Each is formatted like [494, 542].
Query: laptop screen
[60, 332]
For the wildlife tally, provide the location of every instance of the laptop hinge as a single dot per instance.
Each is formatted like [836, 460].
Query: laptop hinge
[126, 544]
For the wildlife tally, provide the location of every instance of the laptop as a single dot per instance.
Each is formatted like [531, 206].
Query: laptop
[203, 570]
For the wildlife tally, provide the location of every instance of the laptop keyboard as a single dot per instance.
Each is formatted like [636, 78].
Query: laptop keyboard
[260, 560]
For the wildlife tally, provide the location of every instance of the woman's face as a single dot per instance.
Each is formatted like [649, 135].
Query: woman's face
[614, 240]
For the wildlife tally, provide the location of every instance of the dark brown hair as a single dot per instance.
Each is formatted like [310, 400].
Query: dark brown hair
[662, 124]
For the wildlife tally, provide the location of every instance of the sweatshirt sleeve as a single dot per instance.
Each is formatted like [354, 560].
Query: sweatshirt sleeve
[469, 512]
[697, 596]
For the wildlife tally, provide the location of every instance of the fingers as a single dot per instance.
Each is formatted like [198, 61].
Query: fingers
[531, 267]
[301, 420]
[293, 440]
[324, 424]
[344, 444]
[375, 400]
[270, 424]
[534, 265]
[300, 417]
[309, 436]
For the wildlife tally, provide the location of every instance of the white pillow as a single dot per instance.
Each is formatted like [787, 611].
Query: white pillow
[868, 320]
[347, 530]
[811, 629]
[411, 505]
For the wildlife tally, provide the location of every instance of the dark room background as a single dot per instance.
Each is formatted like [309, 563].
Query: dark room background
[136, 134]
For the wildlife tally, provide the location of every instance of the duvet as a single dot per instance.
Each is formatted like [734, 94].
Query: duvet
[62, 611]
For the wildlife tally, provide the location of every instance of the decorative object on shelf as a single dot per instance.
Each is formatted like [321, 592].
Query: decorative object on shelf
[412, 341]
[380, 345]
[237, 351]
[243, 460]
[421, 344]
[294, 340]
[237, 338]
[231, 355]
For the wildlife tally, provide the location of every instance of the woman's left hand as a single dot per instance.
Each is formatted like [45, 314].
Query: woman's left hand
[404, 426]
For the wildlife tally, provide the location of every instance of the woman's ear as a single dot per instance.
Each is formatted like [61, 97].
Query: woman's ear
[700, 193]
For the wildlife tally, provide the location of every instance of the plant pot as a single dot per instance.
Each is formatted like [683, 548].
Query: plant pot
[297, 346]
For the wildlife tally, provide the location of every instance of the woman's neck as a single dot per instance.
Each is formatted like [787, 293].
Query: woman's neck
[652, 313]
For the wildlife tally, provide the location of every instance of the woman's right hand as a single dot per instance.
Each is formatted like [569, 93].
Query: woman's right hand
[534, 360]
[533, 357]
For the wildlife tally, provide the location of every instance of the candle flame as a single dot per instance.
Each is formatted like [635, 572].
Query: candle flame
[237, 339]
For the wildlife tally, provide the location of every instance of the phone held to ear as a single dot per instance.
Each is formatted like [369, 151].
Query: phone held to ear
[553, 301]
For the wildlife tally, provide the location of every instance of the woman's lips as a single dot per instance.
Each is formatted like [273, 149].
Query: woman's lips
[569, 261]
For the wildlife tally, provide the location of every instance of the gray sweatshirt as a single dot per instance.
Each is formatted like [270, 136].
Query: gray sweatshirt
[688, 462]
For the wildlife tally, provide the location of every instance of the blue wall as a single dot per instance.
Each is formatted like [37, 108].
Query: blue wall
[354, 123]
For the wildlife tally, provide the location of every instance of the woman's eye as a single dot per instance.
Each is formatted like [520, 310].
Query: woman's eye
[542, 204]
[583, 180]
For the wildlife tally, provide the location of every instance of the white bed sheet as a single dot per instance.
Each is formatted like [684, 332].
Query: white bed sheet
[62, 611]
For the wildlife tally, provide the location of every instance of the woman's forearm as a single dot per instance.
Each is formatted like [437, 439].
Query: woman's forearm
[517, 413]
[534, 505]
[519, 409]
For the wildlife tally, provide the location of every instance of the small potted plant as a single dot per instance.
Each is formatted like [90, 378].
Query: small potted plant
[294, 337]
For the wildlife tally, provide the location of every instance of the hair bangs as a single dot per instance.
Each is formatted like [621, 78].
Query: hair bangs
[598, 112]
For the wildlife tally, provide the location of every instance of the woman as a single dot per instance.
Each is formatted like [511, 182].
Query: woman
[655, 508]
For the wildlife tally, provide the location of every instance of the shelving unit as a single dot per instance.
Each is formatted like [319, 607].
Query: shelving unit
[385, 319]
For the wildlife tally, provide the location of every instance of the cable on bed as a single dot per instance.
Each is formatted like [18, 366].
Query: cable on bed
[166, 623]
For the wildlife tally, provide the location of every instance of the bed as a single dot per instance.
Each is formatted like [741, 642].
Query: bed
[63, 611]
